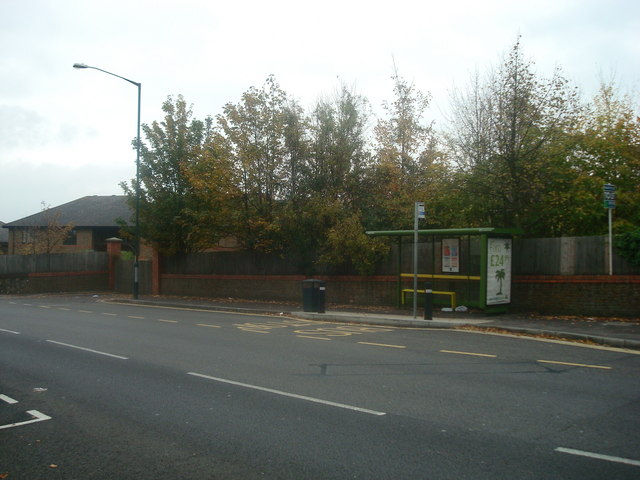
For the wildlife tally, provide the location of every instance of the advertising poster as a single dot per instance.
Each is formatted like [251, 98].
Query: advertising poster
[450, 255]
[498, 271]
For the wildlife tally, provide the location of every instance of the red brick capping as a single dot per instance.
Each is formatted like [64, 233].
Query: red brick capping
[575, 279]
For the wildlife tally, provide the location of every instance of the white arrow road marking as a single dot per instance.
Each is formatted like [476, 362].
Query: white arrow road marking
[38, 417]
[7, 399]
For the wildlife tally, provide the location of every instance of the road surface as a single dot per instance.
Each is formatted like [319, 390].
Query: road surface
[99, 390]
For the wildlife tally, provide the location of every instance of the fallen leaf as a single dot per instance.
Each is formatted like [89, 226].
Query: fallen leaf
[53, 465]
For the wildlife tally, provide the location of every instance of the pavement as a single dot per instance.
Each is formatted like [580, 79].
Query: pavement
[611, 332]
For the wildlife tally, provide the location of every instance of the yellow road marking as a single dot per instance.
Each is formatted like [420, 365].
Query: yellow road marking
[469, 353]
[314, 338]
[167, 321]
[382, 345]
[363, 329]
[255, 327]
[575, 364]
[545, 340]
[207, 325]
[212, 309]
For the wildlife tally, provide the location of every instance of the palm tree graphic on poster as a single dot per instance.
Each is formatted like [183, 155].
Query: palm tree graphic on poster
[500, 276]
[499, 271]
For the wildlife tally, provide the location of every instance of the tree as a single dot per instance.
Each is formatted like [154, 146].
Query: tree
[296, 151]
[407, 165]
[214, 195]
[332, 158]
[338, 146]
[255, 131]
[46, 238]
[402, 139]
[505, 138]
[607, 150]
[337, 163]
[167, 201]
[347, 243]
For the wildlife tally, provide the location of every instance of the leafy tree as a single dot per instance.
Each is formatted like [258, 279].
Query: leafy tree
[166, 194]
[214, 195]
[408, 166]
[255, 131]
[296, 151]
[628, 245]
[402, 138]
[608, 151]
[520, 152]
[331, 153]
[338, 146]
[504, 138]
[348, 244]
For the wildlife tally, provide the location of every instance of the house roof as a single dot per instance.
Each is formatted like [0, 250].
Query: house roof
[4, 234]
[90, 211]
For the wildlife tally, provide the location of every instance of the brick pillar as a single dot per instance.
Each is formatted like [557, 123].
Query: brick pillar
[114, 248]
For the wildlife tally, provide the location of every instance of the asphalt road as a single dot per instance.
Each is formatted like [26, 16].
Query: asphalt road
[96, 390]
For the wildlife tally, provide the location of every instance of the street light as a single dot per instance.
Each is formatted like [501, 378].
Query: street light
[137, 227]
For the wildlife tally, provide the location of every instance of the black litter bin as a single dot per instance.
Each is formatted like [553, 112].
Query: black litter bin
[313, 293]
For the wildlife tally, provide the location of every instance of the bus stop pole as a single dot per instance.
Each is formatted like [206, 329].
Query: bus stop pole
[418, 212]
[415, 265]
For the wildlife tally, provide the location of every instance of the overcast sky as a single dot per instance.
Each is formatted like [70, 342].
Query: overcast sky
[66, 133]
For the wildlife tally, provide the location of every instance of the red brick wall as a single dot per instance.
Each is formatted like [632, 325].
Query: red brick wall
[591, 295]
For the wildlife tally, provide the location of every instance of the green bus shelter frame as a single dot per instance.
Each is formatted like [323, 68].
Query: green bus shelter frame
[483, 233]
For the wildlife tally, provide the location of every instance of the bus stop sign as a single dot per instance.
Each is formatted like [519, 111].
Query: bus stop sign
[609, 196]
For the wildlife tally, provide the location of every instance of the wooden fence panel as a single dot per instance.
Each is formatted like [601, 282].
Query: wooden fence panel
[56, 262]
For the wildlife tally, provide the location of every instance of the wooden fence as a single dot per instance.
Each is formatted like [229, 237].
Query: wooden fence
[61, 272]
[558, 275]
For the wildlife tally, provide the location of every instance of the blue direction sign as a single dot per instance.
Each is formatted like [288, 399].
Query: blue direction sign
[609, 196]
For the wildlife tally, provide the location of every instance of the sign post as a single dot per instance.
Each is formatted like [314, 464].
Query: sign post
[610, 204]
[417, 214]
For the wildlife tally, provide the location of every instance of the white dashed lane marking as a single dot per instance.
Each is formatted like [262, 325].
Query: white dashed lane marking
[88, 350]
[9, 331]
[288, 394]
[599, 456]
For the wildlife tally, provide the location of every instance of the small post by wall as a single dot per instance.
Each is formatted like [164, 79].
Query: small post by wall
[114, 249]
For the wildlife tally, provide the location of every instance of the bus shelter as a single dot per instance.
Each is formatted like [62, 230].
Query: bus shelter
[464, 266]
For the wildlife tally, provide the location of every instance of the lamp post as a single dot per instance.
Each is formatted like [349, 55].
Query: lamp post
[137, 226]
